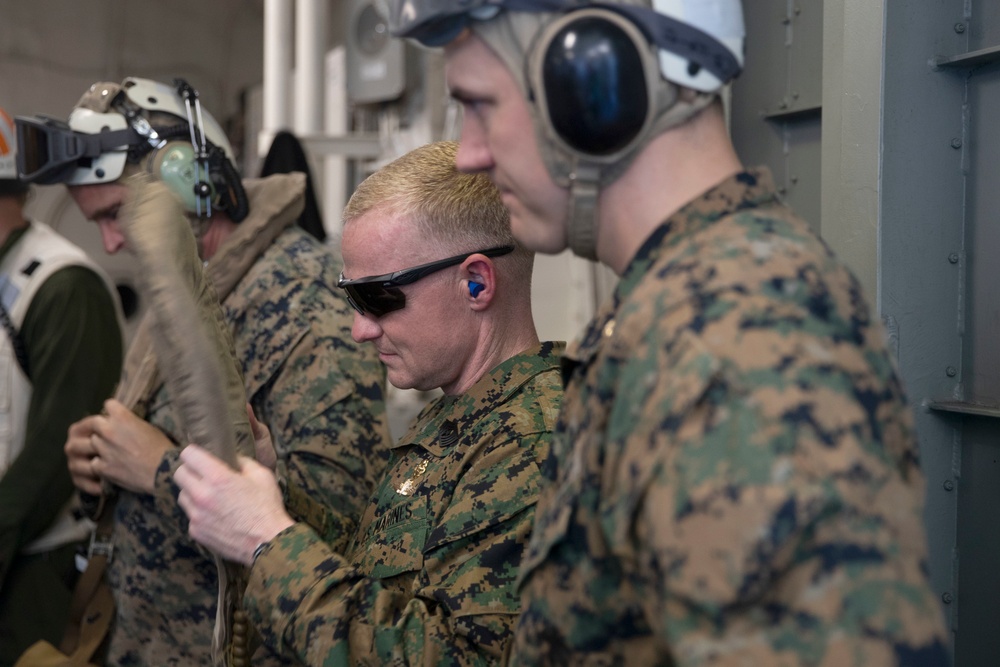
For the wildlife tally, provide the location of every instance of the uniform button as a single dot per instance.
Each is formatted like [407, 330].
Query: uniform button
[609, 328]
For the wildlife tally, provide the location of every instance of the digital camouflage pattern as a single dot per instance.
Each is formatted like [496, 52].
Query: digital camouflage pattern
[430, 576]
[734, 477]
[319, 393]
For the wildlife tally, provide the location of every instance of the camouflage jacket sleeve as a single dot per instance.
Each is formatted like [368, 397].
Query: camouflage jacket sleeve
[430, 576]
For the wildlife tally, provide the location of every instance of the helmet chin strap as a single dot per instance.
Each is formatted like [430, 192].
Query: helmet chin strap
[200, 225]
[582, 213]
[586, 177]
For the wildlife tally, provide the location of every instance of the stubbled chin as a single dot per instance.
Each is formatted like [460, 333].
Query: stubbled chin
[538, 235]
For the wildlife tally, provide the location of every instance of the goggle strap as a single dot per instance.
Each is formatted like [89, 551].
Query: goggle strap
[104, 142]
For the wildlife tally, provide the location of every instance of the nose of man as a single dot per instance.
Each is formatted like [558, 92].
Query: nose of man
[112, 237]
[473, 151]
[365, 328]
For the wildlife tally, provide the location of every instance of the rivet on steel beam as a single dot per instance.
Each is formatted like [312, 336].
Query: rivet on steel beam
[953, 258]
[946, 597]
[949, 485]
[956, 143]
[959, 28]
[950, 371]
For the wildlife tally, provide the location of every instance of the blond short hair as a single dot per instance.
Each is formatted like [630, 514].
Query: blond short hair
[461, 212]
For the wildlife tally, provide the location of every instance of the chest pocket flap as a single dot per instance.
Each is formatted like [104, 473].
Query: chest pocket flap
[394, 543]
[653, 410]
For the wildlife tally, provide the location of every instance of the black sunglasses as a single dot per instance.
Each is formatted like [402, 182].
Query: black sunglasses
[378, 295]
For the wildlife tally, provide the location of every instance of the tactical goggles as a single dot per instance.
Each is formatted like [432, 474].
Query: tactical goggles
[49, 151]
[378, 295]
[435, 23]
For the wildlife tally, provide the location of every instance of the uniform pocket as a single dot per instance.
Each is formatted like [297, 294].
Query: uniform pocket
[648, 415]
[394, 543]
[552, 515]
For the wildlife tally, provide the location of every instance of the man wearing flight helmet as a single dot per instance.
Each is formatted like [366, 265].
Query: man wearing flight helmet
[734, 476]
[320, 394]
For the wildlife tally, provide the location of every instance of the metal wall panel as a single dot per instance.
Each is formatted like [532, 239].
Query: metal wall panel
[805, 54]
[984, 24]
[981, 364]
[977, 640]
[801, 189]
[921, 232]
[939, 238]
[775, 115]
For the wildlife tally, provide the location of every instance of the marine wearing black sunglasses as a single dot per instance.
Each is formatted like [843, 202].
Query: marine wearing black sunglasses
[378, 295]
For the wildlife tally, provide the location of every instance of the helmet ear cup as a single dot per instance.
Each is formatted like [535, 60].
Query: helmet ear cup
[175, 165]
[592, 81]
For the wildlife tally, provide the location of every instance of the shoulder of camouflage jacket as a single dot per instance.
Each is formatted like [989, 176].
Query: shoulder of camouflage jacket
[288, 294]
[529, 382]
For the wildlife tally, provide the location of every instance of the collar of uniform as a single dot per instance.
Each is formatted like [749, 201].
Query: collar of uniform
[747, 189]
[275, 204]
[446, 420]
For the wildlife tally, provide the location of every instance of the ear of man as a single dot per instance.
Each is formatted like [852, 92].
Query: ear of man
[479, 281]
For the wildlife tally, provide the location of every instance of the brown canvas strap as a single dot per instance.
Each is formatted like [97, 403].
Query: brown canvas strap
[92, 607]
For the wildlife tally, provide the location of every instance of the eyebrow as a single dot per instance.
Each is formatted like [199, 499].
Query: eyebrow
[458, 94]
[106, 211]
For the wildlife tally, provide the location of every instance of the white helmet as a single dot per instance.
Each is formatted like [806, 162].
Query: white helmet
[706, 33]
[143, 122]
[602, 79]
[721, 21]
[98, 110]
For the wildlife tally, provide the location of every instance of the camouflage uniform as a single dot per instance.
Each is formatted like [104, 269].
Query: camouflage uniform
[430, 576]
[320, 394]
[733, 479]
